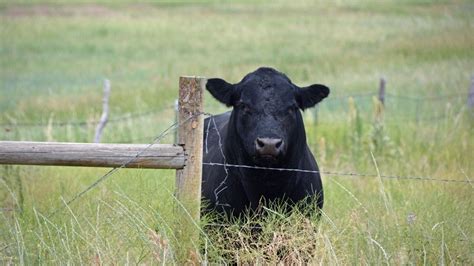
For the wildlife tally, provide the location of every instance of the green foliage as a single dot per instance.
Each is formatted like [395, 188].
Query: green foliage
[54, 56]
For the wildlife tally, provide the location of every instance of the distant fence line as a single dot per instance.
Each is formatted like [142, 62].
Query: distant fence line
[391, 95]
[128, 116]
[382, 95]
[116, 119]
[441, 97]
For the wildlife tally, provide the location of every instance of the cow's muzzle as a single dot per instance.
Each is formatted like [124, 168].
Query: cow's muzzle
[269, 148]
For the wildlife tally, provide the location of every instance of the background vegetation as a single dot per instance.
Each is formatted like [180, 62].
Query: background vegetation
[54, 57]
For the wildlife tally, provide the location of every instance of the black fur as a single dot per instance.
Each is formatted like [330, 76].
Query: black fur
[266, 104]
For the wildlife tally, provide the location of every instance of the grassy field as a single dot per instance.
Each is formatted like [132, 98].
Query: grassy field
[54, 57]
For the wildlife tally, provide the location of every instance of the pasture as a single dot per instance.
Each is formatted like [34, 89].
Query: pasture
[54, 57]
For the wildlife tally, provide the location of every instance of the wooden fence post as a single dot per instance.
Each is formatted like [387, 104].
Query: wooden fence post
[176, 115]
[379, 103]
[316, 114]
[188, 180]
[105, 112]
[382, 91]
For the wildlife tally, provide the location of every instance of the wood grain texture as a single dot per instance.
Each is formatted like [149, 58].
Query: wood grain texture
[158, 156]
[188, 180]
[105, 112]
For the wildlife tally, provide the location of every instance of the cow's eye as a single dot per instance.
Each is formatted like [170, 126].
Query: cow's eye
[245, 108]
[291, 110]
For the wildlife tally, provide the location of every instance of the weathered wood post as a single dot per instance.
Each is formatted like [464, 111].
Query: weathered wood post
[382, 90]
[379, 105]
[105, 112]
[316, 114]
[176, 114]
[379, 109]
[188, 180]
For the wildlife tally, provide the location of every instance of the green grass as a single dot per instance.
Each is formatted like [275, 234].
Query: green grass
[54, 57]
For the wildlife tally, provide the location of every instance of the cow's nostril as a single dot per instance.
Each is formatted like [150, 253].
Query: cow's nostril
[260, 143]
[278, 144]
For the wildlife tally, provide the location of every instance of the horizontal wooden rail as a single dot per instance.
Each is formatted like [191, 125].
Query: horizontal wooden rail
[158, 156]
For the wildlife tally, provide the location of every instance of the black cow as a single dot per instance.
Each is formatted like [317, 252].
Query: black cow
[265, 129]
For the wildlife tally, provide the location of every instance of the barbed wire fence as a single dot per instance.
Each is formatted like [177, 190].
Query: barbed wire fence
[338, 100]
[116, 119]
[385, 98]
[332, 173]
[176, 125]
[329, 112]
[226, 165]
[397, 110]
[173, 127]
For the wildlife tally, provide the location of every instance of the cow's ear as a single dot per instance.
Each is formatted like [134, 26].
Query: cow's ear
[223, 91]
[308, 97]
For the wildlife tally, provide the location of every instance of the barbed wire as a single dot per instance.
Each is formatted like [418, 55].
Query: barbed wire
[392, 95]
[225, 165]
[115, 119]
[424, 98]
[336, 173]
[391, 119]
[129, 116]
[145, 139]
[355, 95]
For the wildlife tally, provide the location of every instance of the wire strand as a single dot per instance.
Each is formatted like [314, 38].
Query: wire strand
[335, 173]
[154, 111]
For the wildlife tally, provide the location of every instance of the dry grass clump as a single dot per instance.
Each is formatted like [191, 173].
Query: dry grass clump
[271, 236]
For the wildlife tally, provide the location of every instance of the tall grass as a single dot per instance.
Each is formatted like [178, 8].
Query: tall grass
[54, 57]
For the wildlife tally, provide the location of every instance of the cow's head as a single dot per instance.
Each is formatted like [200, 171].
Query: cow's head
[266, 117]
